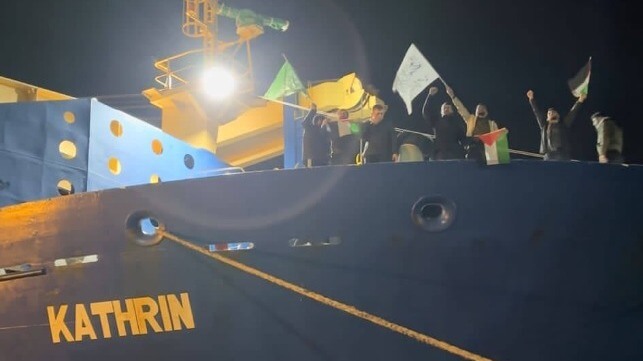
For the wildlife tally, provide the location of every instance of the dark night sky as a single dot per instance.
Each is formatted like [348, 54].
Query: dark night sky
[488, 51]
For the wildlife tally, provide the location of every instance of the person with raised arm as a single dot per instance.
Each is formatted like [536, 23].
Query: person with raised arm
[448, 127]
[316, 143]
[476, 124]
[554, 137]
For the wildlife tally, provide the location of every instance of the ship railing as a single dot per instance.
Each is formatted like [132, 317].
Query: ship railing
[432, 137]
[173, 71]
[178, 70]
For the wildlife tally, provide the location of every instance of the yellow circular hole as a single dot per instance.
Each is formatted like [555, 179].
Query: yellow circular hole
[116, 127]
[154, 178]
[114, 165]
[69, 117]
[67, 149]
[65, 187]
[157, 147]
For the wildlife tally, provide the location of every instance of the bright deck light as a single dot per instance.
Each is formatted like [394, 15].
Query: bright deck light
[218, 83]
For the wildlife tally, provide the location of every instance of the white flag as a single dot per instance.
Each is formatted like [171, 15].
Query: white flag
[413, 76]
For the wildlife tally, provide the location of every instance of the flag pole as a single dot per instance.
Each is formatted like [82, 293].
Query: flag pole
[446, 86]
[297, 106]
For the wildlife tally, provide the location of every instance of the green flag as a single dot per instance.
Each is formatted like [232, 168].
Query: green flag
[286, 83]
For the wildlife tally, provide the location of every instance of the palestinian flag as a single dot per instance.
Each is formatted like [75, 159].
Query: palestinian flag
[580, 83]
[496, 146]
[286, 83]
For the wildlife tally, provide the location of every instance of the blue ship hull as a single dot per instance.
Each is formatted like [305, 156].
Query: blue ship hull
[528, 261]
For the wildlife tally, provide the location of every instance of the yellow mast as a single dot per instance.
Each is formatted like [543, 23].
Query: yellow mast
[186, 112]
[200, 21]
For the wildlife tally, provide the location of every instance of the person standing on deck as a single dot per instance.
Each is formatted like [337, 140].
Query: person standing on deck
[316, 146]
[609, 139]
[476, 124]
[379, 138]
[344, 144]
[448, 128]
[554, 141]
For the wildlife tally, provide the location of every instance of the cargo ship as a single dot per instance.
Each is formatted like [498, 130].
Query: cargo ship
[120, 240]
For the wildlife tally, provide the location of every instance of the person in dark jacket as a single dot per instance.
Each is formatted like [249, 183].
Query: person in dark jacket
[414, 140]
[315, 141]
[554, 142]
[449, 129]
[378, 138]
[344, 143]
[609, 139]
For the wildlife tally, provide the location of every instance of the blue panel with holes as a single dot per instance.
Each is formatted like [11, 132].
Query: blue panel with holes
[43, 149]
[60, 147]
[126, 151]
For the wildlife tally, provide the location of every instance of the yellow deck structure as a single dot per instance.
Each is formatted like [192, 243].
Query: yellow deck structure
[256, 134]
[12, 91]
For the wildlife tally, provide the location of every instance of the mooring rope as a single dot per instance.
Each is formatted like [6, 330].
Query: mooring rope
[420, 337]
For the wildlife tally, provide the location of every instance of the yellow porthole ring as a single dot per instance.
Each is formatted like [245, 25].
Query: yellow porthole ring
[114, 165]
[69, 117]
[67, 149]
[116, 128]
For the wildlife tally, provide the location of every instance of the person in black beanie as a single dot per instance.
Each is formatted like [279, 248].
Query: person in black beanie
[316, 145]
[449, 129]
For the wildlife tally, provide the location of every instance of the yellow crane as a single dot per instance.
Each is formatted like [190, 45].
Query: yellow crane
[243, 130]
[188, 113]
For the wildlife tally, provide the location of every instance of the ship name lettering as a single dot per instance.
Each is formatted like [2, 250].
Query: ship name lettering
[130, 317]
